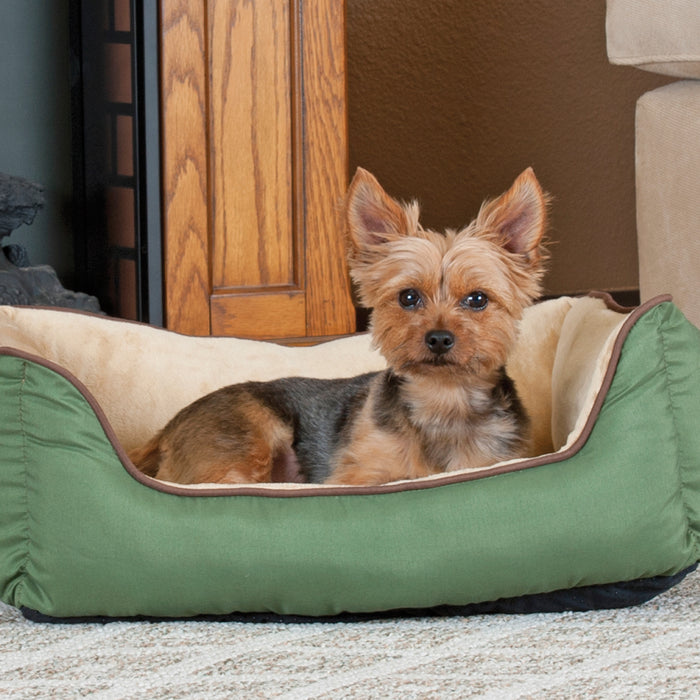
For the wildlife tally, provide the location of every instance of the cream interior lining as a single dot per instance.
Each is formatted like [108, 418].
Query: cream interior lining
[141, 376]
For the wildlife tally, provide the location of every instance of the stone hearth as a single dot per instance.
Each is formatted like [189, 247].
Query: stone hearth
[22, 283]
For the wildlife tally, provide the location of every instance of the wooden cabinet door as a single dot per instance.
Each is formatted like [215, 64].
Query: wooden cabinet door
[254, 166]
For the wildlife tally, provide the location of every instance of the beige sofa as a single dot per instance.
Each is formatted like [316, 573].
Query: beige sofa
[663, 36]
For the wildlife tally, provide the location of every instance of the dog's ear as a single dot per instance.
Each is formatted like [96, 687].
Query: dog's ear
[371, 215]
[518, 218]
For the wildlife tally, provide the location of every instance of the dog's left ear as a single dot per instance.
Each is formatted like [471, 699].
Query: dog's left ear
[518, 218]
[372, 216]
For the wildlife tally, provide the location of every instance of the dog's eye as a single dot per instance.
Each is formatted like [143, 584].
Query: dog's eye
[475, 301]
[410, 298]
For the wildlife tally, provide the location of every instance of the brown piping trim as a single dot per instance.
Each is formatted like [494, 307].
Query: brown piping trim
[611, 303]
[305, 492]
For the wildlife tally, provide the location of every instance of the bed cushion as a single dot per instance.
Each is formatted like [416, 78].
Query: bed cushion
[613, 498]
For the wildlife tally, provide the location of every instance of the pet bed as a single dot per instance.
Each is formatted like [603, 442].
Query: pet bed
[606, 513]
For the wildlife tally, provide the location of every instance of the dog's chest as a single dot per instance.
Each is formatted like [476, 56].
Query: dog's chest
[463, 429]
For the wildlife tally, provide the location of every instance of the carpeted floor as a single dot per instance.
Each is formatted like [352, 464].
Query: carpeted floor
[652, 651]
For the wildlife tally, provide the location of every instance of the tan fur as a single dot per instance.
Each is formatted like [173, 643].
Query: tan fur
[217, 442]
[436, 409]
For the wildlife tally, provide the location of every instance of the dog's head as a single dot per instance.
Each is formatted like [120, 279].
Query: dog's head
[446, 303]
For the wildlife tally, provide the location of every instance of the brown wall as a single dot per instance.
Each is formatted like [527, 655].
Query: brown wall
[449, 100]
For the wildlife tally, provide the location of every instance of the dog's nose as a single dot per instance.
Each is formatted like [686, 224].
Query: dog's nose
[439, 342]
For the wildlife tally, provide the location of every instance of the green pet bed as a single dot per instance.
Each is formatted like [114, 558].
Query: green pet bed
[606, 513]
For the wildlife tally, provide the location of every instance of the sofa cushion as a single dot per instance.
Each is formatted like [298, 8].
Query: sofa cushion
[668, 206]
[656, 35]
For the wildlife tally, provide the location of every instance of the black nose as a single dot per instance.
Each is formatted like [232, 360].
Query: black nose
[439, 342]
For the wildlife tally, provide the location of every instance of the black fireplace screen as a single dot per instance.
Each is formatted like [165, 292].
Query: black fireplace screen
[116, 146]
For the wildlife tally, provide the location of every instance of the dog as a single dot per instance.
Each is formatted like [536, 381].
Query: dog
[445, 314]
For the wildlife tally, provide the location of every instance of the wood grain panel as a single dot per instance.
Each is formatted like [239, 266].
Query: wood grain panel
[329, 308]
[185, 166]
[251, 132]
[254, 167]
[264, 316]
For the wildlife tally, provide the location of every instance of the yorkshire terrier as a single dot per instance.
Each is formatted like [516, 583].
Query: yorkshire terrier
[445, 316]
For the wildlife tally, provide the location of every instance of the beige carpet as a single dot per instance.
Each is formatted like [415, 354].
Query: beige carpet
[652, 651]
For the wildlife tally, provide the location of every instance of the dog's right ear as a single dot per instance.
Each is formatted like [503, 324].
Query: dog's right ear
[372, 216]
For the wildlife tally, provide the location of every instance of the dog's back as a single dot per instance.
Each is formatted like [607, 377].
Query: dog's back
[306, 414]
